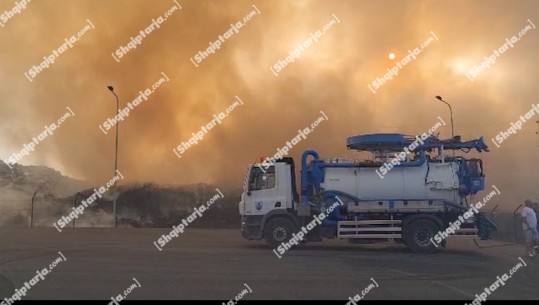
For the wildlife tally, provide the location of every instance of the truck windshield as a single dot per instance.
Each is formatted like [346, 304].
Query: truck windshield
[258, 180]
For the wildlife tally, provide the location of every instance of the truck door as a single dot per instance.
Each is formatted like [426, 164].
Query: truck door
[262, 192]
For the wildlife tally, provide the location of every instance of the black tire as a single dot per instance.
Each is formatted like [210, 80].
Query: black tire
[418, 235]
[278, 230]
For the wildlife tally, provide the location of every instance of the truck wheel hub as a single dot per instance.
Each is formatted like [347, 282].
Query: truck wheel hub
[279, 234]
[422, 237]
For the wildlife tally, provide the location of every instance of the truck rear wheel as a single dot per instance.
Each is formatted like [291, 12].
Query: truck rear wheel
[418, 236]
[278, 230]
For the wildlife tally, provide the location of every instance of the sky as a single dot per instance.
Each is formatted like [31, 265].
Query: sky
[335, 74]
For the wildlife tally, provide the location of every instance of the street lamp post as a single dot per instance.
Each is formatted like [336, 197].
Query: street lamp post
[32, 210]
[451, 111]
[75, 206]
[33, 198]
[115, 158]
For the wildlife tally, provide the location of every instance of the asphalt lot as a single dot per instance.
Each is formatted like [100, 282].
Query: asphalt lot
[216, 264]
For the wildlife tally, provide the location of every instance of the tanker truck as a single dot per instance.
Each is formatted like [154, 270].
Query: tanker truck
[408, 191]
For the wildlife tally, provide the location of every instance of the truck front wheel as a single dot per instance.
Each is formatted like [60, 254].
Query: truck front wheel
[278, 230]
[418, 236]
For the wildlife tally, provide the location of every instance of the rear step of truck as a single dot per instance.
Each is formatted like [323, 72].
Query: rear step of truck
[390, 229]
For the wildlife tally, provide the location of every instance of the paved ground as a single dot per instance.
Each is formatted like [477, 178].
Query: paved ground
[215, 264]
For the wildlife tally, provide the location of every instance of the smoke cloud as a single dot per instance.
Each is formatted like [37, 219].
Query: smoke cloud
[331, 75]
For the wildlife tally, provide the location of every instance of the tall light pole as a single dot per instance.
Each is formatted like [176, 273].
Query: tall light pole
[32, 211]
[115, 159]
[451, 111]
[75, 206]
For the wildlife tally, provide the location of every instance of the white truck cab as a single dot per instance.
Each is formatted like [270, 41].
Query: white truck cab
[267, 192]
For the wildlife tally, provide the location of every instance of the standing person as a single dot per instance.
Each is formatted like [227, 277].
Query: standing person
[529, 226]
[535, 208]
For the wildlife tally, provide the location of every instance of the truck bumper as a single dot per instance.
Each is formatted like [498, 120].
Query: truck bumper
[250, 227]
